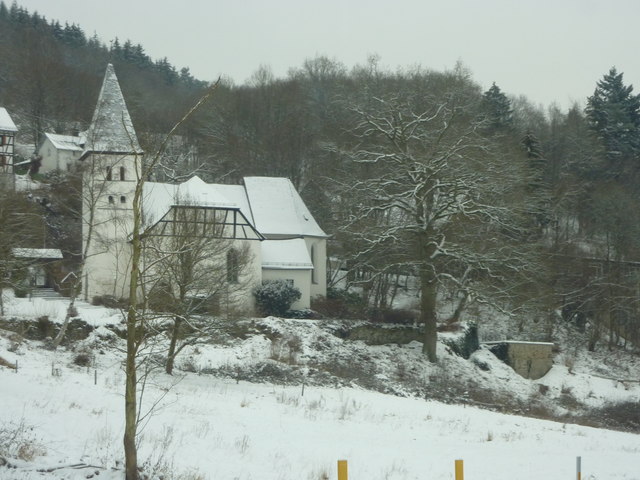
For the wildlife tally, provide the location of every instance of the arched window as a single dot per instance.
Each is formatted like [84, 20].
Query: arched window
[314, 275]
[233, 266]
[122, 174]
[111, 200]
[123, 199]
[109, 174]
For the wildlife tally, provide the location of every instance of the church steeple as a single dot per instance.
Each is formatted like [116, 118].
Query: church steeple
[111, 129]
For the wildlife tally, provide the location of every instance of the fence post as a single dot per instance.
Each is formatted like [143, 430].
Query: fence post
[579, 468]
[342, 470]
[459, 470]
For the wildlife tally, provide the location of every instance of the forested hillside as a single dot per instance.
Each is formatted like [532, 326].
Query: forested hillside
[50, 75]
[485, 199]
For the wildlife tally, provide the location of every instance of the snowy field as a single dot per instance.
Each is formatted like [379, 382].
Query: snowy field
[205, 427]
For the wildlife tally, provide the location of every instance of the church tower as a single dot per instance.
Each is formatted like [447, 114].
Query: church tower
[111, 166]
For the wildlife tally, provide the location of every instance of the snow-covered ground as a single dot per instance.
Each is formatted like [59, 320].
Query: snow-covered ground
[204, 426]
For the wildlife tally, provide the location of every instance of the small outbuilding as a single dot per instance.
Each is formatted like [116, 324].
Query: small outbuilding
[39, 263]
[529, 359]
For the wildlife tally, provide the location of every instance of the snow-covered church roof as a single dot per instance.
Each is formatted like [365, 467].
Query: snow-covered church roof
[278, 209]
[6, 124]
[271, 204]
[111, 129]
[286, 254]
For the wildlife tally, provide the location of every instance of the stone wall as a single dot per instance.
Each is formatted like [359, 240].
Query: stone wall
[529, 359]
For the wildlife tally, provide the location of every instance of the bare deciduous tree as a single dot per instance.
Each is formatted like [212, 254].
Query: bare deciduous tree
[190, 272]
[435, 197]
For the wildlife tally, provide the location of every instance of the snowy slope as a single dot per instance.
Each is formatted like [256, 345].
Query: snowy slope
[209, 427]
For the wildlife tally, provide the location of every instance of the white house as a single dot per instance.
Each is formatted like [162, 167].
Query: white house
[265, 216]
[59, 152]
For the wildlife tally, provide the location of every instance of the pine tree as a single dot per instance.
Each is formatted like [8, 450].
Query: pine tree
[613, 113]
[498, 108]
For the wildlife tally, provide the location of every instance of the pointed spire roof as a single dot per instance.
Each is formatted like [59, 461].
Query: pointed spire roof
[111, 129]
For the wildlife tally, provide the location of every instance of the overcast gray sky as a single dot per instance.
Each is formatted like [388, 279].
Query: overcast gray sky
[548, 50]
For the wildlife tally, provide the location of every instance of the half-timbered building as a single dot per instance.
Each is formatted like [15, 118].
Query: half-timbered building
[7, 144]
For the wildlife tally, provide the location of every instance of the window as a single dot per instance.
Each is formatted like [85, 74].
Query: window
[2, 140]
[233, 266]
[109, 175]
[111, 200]
[314, 275]
[123, 199]
[122, 174]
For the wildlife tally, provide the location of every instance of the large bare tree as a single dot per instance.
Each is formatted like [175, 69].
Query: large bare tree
[436, 197]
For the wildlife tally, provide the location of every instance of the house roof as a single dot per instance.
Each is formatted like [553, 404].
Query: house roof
[6, 124]
[289, 254]
[111, 128]
[278, 209]
[270, 204]
[39, 253]
[65, 142]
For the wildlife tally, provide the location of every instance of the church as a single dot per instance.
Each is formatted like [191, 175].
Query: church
[264, 218]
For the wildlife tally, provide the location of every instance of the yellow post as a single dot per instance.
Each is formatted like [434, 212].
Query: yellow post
[342, 470]
[459, 470]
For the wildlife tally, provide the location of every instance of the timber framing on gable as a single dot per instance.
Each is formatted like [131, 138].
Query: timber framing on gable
[204, 221]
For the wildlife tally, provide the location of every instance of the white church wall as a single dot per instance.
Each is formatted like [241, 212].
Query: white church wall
[317, 248]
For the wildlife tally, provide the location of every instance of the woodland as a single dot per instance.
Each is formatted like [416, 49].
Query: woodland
[482, 197]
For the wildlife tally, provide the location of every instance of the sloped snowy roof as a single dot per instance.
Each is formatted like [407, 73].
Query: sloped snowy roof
[65, 142]
[158, 198]
[278, 209]
[111, 129]
[6, 123]
[286, 254]
[41, 253]
[270, 204]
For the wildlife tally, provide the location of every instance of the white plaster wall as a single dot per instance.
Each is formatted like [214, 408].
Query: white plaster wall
[319, 287]
[301, 280]
[107, 263]
[49, 156]
[250, 278]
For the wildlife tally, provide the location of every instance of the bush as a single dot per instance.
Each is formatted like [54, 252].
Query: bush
[21, 291]
[340, 303]
[398, 316]
[274, 297]
[109, 301]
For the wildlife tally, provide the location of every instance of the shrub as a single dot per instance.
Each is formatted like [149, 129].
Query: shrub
[340, 303]
[274, 297]
[83, 359]
[398, 316]
[109, 301]
[21, 291]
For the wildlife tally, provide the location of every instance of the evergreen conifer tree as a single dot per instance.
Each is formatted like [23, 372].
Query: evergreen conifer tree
[498, 108]
[613, 113]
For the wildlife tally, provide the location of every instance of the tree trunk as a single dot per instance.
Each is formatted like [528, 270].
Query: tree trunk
[428, 293]
[130, 408]
[131, 382]
[71, 310]
[171, 355]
